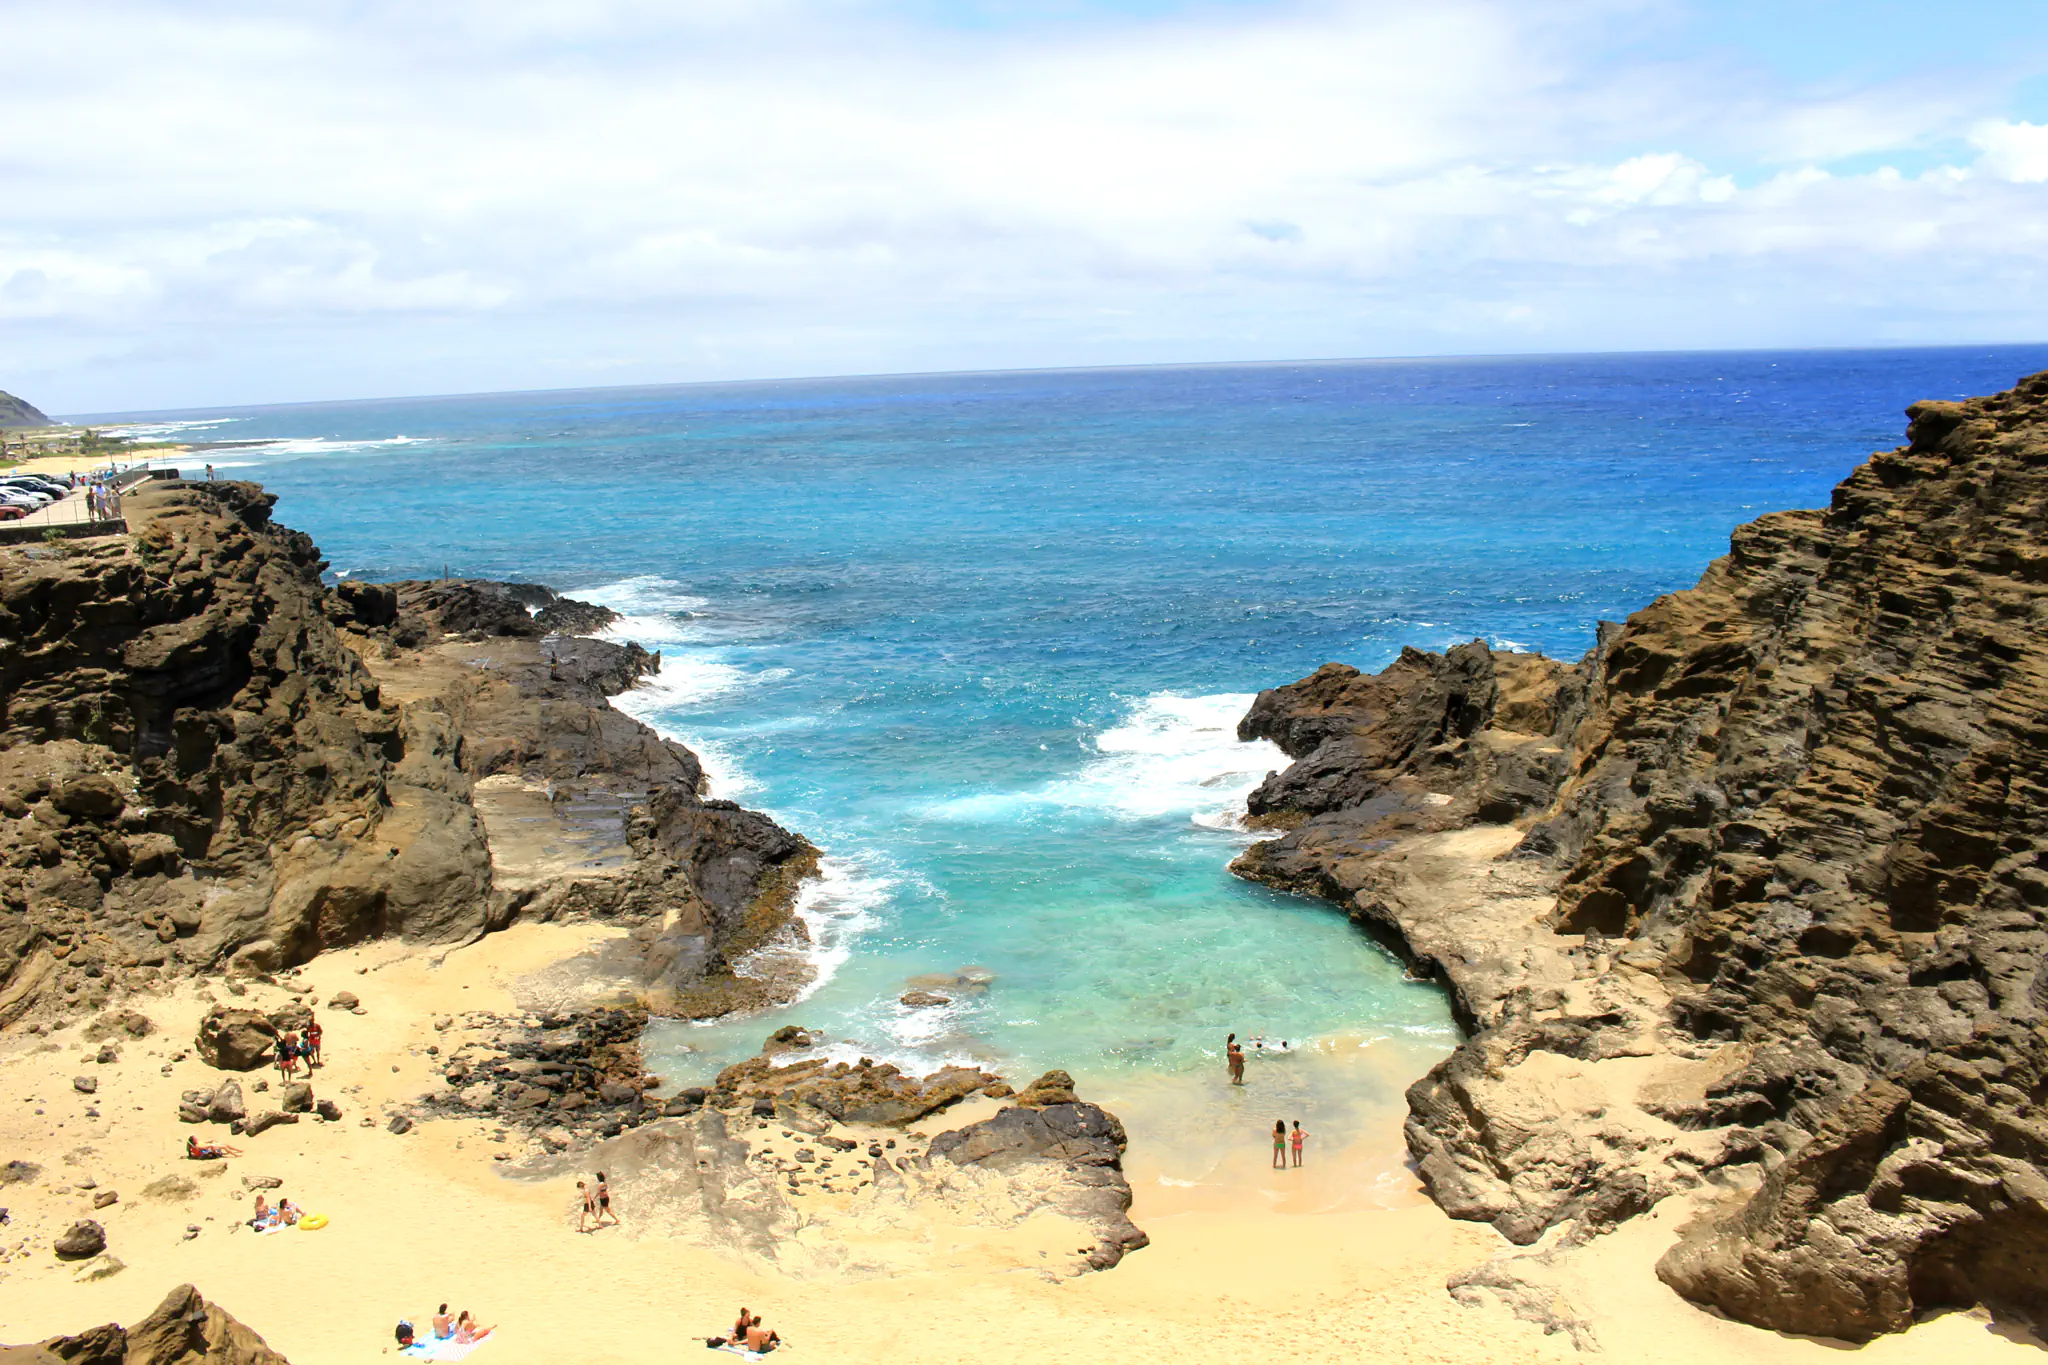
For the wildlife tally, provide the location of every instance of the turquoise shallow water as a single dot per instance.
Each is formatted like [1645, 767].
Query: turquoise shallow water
[985, 638]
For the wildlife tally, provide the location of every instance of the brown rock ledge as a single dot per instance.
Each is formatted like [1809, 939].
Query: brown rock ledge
[210, 760]
[1746, 907]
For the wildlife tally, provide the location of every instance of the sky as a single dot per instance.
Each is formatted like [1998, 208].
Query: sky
[209, 202]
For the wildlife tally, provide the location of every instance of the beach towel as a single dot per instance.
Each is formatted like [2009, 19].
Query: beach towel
[442, 1348]
[742, 1352]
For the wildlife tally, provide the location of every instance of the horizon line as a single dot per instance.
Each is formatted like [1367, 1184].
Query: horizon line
[118, 416]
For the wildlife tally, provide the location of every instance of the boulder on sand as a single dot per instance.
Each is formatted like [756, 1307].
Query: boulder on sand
[226, 1105]
[235, 1039]
[82, 1239]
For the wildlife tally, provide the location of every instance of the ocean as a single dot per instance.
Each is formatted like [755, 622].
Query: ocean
[985, 638]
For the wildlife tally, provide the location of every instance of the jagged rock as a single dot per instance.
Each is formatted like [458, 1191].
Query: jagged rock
[343, 1000]
[923, 1000]
[1054, 1087]
[328, 1110]
[1779, 840]
[235, 1039]
[226, 1104]
[400, 1123]
[1084, 1140]
[105, 1198]
[184, 1330]
[268, 1119]
[84, 1085]
[866, 1093]
[82, 1239]
[297, 1098]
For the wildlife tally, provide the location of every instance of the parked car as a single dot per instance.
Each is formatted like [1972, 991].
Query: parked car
[39, 481]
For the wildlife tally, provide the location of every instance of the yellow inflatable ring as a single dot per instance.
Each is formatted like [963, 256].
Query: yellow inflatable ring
[313, 1220]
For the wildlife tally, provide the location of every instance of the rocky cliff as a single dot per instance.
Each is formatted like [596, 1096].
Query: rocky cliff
[207, 758]
[1745, 907]
[17, 412]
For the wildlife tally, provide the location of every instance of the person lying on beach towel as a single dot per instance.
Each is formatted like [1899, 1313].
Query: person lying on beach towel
[466, 1330]
[216, 1152]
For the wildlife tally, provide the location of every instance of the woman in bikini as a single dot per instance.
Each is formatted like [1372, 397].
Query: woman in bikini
[604, 1202]
[1279, 1144]
[287, 1055]
[1297, 1137]
[1234, 1055]
[467, 1332]
[212, 1153]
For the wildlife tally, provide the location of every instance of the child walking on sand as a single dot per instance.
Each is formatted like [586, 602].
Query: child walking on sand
[1298, 1138]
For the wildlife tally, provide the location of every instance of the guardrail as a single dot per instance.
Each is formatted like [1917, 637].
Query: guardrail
[72, 519]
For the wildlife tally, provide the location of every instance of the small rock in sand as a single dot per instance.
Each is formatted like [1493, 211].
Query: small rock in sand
[343, 1000]
[84, 1238]
[104, 1198]
[84, 1085]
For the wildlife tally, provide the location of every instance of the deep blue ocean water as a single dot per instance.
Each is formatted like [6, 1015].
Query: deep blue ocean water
[985, 638]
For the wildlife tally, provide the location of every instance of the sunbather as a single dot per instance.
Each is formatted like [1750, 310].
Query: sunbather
[760, 1339]
[466, 1330]
[444, 1326]
[215, 1152]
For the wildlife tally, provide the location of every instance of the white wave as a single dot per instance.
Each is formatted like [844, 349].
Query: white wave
[1171, 754]
[300, 447]
[156, 431]
[837, 906]
[656, 613]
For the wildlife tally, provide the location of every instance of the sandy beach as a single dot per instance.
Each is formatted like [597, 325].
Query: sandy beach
[424, 1217]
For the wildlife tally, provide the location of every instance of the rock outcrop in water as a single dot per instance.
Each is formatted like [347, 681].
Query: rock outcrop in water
[1748, 906]
[207, 758]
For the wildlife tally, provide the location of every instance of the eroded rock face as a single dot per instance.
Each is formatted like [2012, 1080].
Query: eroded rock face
[203, 762]
[865, 1093]
[184, 1330]
[198, 768]
[1779, 841]
[1083, 1142]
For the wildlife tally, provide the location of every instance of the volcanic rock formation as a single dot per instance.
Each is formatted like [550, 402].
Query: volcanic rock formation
[208, 758]
[1750, 904]
[184, 1330]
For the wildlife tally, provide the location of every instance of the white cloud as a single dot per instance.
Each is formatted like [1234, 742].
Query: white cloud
[401, 198]
[2013, 151]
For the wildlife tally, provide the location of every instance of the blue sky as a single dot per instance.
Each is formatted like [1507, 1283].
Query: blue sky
[225, 201]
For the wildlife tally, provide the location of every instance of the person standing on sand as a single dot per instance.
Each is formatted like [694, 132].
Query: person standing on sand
[312, 1046]
[287, 1054]
[604, 1202]
[589, 1206]
[1279, 1144]
[1234, 1055]
[1298, 1137]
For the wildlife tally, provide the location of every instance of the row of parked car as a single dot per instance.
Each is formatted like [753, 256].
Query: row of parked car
[21, 494]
